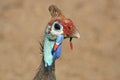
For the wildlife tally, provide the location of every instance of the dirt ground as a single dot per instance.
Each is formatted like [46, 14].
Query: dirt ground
[96, 55]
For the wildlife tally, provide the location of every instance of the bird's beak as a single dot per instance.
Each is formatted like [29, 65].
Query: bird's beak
[75, 33]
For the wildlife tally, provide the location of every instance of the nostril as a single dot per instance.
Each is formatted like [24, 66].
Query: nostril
[57, 27]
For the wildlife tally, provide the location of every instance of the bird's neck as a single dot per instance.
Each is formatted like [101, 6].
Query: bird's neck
[46, 73]
[48, 46]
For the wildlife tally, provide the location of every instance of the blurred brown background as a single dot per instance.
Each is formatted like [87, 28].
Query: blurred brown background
[96, 56]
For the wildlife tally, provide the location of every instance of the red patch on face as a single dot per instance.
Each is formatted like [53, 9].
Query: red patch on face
[67, 25]
[67, 28]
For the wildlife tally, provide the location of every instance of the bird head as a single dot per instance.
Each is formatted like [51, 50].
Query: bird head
[60, 25]
[58, 29]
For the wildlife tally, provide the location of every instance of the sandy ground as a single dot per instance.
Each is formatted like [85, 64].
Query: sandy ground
[96, 56]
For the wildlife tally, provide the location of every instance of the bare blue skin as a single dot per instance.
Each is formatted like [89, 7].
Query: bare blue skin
[57, 52]
[49, 54]
[48, 46]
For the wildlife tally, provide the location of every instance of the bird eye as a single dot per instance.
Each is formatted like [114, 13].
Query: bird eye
[57, 26]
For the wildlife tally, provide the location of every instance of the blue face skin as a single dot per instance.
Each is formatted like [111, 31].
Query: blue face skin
[57, 52]
[50, 39]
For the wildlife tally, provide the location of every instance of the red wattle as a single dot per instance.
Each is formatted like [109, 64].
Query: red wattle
[71, 45]
[55, 47]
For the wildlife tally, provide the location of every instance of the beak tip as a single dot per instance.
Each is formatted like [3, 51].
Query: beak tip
[78, 36]
[75, 33]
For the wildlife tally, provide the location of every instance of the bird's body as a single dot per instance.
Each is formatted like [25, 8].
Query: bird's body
[58, 29]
